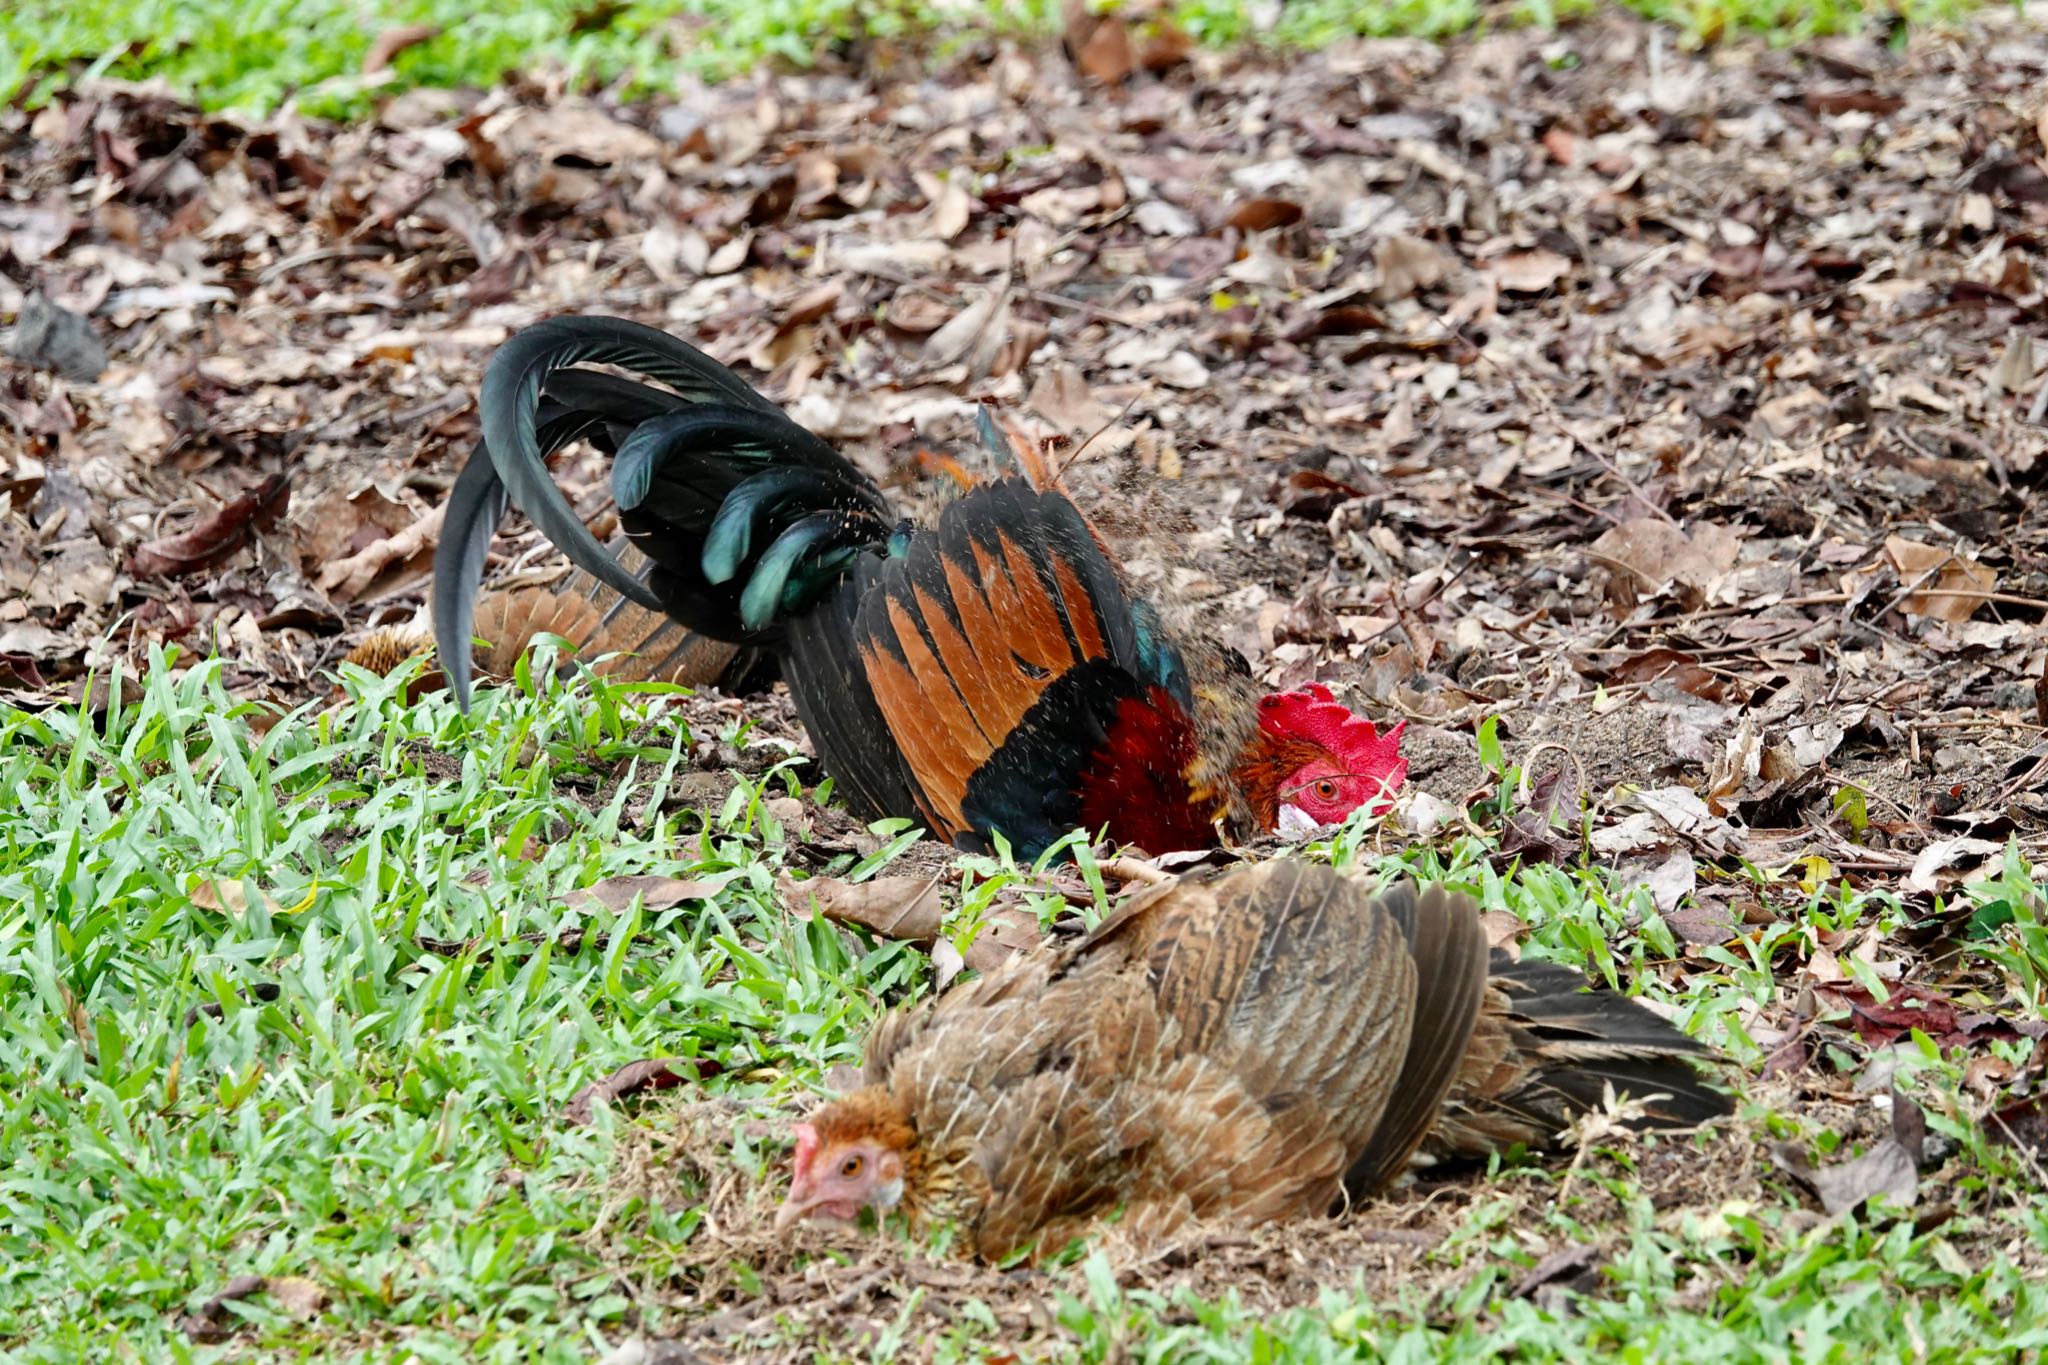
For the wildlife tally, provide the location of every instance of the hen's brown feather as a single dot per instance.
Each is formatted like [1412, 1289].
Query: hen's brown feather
[1245, 1047]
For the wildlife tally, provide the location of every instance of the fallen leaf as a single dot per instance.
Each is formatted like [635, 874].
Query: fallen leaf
[947, 963]
[384, 49]
[209, 1323]
[1263, 215]
[302, 1298]
[1405, 265]
[1527, 272]
[1107, 56]
[217, 535]
[906, 908]
[231, 897]
[951, 210]
[1656, 554]
[974, 335]
[1927, 868]
[1962, 584]
[347, 578]
[1889, 1167]
[1003, 933]
[1163, 219]
[656, 893]
[51, 338]
[655, 1073]
[1063, 397]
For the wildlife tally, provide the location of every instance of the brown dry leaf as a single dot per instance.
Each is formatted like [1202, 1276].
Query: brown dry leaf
[569, 131]
[217, 535]
[951, 210]
[1654, 553]
[1062, 397]
[1930, 873]
[1503, 931]
[907, 908]
[974, 335]
[304, 1299]
[346, 579]
[918, 313]
[384, 49]
[1405, 265]
[232, 897]
[1890, 1167]
[1166, 45]
[1963, 584]
[655, 892]
[1003, 933]
[1263, 215]
[210, 1322]
[1527, 272]
[1108, 55]
[655, 1073]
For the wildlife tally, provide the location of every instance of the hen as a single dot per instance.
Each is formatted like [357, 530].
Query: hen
[1247, 1047]
[989, 674]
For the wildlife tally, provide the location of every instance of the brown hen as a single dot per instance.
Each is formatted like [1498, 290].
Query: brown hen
[1249, 1046]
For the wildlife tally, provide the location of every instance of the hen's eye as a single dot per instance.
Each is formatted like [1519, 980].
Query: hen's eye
[1327, 789]
[850, 1167]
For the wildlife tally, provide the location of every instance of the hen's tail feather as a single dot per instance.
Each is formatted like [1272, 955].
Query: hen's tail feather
[1548, 1049]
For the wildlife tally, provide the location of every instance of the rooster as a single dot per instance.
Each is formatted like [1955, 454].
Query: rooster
[989, 675]
[1261, 1044]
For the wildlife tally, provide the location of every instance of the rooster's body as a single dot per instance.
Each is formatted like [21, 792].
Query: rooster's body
[1248, 1047]
[989, 674]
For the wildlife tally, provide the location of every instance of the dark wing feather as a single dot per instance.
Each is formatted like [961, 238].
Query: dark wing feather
[975, 626]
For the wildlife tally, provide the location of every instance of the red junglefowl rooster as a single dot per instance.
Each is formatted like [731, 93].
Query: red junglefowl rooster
[990, 673]
[1262, 1044]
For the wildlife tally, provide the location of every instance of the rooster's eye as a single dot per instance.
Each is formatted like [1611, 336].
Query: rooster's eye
[850, 1167]
[1327, 789]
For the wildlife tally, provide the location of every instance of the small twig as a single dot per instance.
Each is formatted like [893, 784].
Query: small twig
[1127, 869]
[277, 269]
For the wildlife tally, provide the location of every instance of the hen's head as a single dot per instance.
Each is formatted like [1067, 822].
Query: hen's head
[852, 1154]
[1329, 761]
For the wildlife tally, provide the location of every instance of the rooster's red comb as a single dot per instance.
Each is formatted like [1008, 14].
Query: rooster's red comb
[1313, 713]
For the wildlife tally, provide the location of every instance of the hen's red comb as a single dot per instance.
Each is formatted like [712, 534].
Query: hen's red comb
[806, 1149]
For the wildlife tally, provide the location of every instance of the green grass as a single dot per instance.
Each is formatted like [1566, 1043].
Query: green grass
[257, 54]
[388, 1127]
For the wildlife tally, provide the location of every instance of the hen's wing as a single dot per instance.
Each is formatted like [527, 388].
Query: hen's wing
[1316, 995]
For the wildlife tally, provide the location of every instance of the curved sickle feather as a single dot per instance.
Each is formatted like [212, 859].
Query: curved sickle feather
[476, 504]
[510, 404]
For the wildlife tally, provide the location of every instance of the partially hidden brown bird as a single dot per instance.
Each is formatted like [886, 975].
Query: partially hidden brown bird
[1261, 1044]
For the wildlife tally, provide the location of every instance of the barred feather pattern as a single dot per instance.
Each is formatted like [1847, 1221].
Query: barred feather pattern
[1261, 1044]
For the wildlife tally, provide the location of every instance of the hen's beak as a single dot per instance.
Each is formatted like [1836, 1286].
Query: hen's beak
[800, 1202]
